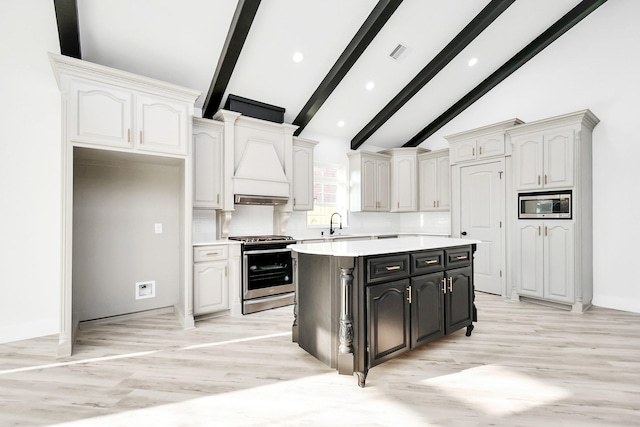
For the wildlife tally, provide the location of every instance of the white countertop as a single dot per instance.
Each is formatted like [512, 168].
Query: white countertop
[218, 242]
[364, 236]
[356, 248]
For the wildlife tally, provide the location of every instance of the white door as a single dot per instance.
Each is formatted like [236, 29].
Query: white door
[481, 206]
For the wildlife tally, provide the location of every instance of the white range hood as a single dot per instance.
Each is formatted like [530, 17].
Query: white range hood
[260, 176]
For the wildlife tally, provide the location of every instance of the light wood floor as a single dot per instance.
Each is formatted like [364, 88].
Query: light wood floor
[524, 365]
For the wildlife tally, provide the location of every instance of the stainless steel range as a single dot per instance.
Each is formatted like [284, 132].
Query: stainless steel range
[267, 272]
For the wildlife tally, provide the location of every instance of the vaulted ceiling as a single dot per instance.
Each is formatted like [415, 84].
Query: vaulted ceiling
[245, 48]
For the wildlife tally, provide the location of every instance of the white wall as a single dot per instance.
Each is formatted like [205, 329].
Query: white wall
[30, 175]
[596, 66]
[116, 205]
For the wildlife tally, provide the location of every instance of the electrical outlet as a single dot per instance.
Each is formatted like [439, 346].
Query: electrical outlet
[158, 228]
[146, 289]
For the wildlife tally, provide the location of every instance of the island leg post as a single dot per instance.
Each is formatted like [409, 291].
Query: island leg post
[294, 326]
[345, 350]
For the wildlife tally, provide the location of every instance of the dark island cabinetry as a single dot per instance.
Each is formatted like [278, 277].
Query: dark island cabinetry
[355, 312]
[405, 314]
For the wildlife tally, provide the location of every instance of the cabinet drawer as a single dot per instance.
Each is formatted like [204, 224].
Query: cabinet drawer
[387, 268]
[457, 257]
[426, 262]
[209, 253]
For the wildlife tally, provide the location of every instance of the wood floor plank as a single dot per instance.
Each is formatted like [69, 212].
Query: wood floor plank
[524, 365]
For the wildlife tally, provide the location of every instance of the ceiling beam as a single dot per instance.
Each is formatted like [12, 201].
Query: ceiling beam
[561, 26]
[68, 33]
[365, 35]
[477, 25]
[238, 31]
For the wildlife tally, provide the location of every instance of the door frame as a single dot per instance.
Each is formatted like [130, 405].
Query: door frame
[505, 211]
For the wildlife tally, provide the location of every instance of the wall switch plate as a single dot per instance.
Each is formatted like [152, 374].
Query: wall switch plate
[146, 289]
[158, 228]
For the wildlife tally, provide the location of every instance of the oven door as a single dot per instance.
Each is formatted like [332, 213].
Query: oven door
[267, 272]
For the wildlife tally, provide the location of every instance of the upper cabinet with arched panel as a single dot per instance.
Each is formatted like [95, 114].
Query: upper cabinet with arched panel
[117, 110]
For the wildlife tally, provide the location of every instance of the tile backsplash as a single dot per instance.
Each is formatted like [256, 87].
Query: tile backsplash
[258, 220]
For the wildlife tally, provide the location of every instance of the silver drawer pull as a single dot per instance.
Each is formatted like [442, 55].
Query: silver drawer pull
[461, 257]
[431, 261]
[392, 268]
[213, 253]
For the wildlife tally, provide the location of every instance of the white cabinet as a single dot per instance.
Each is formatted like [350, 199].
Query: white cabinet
[553, 259]
[162, 124]
[434, 181]
[117, 110]
[544, 160]
[210, 279]
[404, 178]
[478, 148]
[302, 182]
[207, 163]
[545, 260]
[100, 114]
[369, 180]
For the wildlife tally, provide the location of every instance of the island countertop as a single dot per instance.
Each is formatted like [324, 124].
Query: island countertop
[357, 248]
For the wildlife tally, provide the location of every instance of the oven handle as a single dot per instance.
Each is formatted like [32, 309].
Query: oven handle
[266, 251]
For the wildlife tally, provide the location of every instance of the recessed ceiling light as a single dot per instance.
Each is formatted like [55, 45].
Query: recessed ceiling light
[473, 61]
[298, 57]
[341, 123]
[370, 85]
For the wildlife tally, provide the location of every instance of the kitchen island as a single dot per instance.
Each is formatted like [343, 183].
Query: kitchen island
[360, 303]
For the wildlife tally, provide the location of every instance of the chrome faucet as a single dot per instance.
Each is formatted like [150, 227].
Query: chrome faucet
[331, 229]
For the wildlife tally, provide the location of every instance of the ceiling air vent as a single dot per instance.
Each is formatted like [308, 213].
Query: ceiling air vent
[398, 51]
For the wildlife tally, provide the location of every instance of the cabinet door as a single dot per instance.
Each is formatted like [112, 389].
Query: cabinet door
[444, 184]
[404, 192]
[464, 151]
[530, 258]
[429, 184]
[529, 162]
[207, 170]
[302, 178]
[558, 261]
[383, 182]
[162, 125]
[100, 115]
[210, 287]
[490, 146]
[458, 299]
[388, 320]
[369, 185]
[427, 304]
[558, 159]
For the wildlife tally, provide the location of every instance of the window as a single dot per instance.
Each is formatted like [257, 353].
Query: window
[329, 194]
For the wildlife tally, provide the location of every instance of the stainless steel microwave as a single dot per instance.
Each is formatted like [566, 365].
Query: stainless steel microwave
[544, 205]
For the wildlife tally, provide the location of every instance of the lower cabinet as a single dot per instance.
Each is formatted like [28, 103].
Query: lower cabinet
[210, 279]
[545, 260]
[407, 313]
